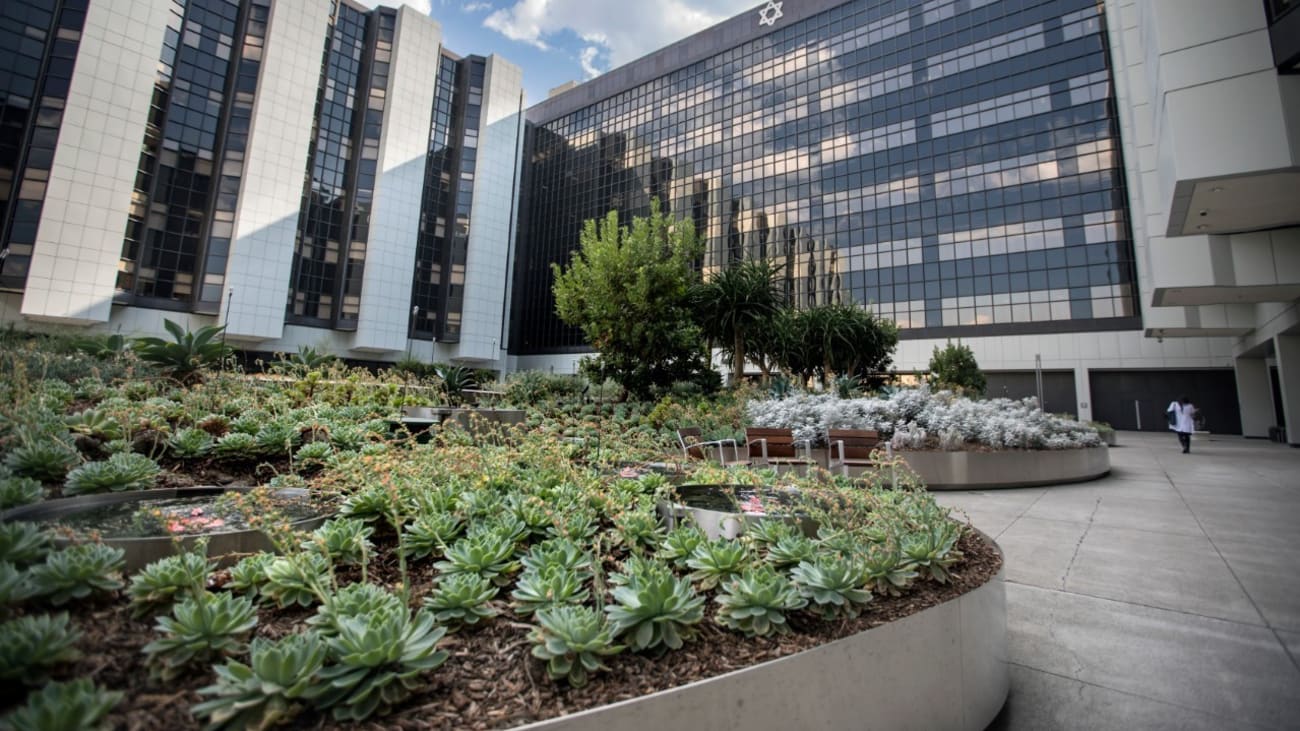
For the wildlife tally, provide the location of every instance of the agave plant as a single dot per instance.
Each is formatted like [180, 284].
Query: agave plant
[158, 585]
[354, 600]
[23, 543]
[270, 690]
[656, 608]
[77, 705]
[572, 639]
[77, 572]
[187, 354]
[120, 472]
[756, 602]
[462, 599]
[834, 584]
[376, 661]
[30, 646]
[717, 560]
[548, 587]
[301, 578]
[201, 629]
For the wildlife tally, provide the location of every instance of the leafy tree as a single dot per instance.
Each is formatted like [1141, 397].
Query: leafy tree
[954, 366]
[770, 346]
[841, 340]
[736, 302]
[628, 289]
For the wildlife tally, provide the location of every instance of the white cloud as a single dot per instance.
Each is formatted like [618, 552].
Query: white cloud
[626, 30]
[476, 5]
[588, 60]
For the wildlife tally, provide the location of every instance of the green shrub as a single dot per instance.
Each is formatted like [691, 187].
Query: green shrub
[954, 367]
[78, 572]
[431, 533]
[202, 628]
[118, 473]
[77, 705]
[30, 646]
[488, 555]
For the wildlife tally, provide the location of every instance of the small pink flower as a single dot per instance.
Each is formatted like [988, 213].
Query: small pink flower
[753, 505]
[174, 527]
[196, 511]
[629, 473]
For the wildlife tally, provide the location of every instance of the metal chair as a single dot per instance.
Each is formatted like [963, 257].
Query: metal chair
[694, 446]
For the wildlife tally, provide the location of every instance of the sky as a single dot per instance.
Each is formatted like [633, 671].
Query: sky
[556, 41]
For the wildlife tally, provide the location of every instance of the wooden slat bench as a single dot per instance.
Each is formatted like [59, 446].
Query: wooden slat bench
[853, 448]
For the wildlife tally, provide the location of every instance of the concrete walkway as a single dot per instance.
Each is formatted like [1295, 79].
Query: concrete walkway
[1166, 595]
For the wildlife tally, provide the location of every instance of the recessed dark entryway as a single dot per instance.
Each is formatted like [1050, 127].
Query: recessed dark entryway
[1136, 400]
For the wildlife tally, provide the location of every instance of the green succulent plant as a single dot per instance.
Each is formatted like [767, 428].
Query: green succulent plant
[558, 553]
[342, 540]
[369, 504]
[314, 453]
[638, 529]
[190, 443]
[360, 599]
[159, 585]
[187, 354]
[680, 543]
[201, 629]
[887, 571]
[932, 551]
[572, 639]
[77, 705]
[487, 554]
[23, 543]
[30, 646]
[575, 523]
[77, 572]
[94, 423]
[656, 608]
[118, 473]
[791, 550]
[548, 587]
[277, 683]
[47, 460]
[462, 599]
[236, 446]
[756, 602]
[376, 661]
[249, 575]
[717, 560]
[277, 438]
[430, 533]
[348, 437]
[833, 584]
[768, 532]
[16, 491]
[15, 587]
[300, 578]
[533, 512]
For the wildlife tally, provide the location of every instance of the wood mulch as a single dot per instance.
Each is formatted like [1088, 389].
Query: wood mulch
[491, 680]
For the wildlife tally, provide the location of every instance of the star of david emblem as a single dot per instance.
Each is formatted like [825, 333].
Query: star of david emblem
[770, 13]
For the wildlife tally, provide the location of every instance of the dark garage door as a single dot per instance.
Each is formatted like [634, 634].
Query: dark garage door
[1058, 388]
[1214, 392]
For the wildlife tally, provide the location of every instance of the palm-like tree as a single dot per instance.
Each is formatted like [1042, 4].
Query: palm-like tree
[735, 301]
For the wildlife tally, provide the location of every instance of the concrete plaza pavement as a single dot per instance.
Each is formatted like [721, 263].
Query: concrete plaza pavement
[1163, 596]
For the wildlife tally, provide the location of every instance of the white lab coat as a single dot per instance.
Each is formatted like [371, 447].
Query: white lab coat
[1183, 417]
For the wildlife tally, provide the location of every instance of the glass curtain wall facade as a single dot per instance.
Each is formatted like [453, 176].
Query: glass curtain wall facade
[191, 161]
[438, 293]
[953, 165]
[38, 47]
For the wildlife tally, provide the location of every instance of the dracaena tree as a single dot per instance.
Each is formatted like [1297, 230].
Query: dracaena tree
[736, 302]
[628, 289]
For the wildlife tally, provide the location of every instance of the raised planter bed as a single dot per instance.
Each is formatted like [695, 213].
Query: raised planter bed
[1008, 468]
[942, 668]
[142, 551]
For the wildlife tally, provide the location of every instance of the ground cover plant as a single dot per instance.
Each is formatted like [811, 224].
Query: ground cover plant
[478, 579]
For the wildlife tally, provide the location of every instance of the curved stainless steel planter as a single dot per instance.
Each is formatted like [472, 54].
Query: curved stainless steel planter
[142, 551]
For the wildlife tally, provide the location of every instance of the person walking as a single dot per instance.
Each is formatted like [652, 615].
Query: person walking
[1182, 416]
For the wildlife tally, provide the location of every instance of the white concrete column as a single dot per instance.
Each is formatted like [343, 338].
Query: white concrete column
[1287, 351]
[1255, 393]
[270, 198]
[74, 262]
[1083, 393]
[492, 222]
